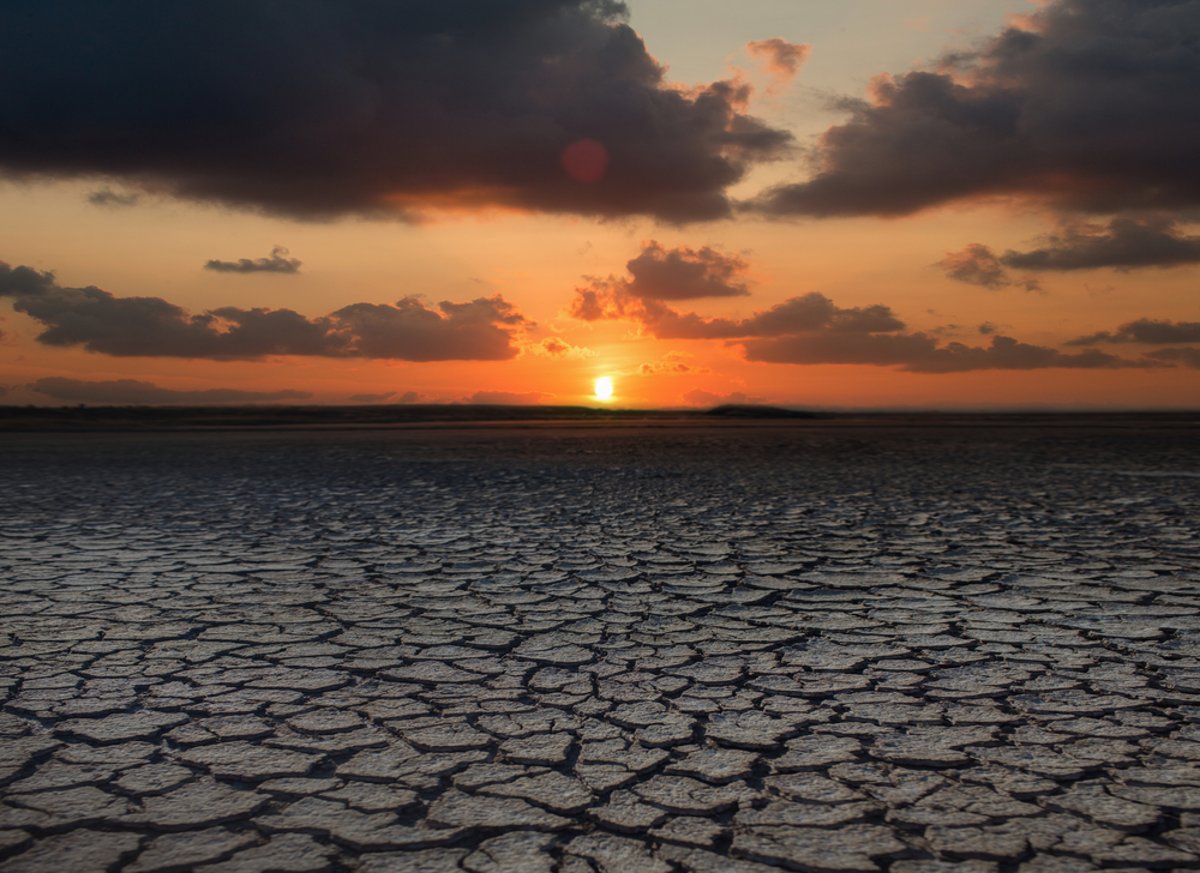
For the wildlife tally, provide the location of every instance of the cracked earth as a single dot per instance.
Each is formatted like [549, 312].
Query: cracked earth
[815, 647]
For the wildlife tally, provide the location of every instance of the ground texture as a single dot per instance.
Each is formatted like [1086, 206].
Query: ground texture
[819, 647]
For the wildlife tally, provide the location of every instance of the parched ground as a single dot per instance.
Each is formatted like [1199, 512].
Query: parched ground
[814, 646]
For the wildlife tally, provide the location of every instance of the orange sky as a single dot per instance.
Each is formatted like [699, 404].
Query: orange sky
[536, 258]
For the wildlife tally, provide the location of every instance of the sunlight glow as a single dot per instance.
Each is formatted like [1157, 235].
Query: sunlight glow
[603, 388]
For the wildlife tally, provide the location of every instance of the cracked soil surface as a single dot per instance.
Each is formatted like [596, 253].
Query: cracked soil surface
[811, 646]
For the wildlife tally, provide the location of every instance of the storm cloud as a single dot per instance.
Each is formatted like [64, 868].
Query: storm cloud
[277, 262]
[134, 392]
[322, 108]
[410, 330]
[1090, 105]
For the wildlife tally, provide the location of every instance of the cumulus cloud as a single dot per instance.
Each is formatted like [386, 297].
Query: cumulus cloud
[106, 197]
[1088, 104]
[410, 330]
[277, 262]
[1123, 243]
[782, 59]
[659, 273]
[1145, 330]
[978, 265]
[135, 392]
[323, 108]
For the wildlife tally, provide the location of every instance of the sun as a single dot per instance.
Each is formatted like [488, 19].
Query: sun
[603, 388]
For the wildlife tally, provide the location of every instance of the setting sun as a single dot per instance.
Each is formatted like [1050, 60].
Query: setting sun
[603, 388]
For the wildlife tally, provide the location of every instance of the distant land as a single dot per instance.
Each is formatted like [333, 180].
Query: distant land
[33, 419]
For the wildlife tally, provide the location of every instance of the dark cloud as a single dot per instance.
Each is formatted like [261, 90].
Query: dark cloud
[812, 329]
[920, 353]
[108, 198]
[278, 262]
[135, 392]
[1180, 357]
[813, 311]
[21, 281]
[320, 108]
[1090, 107]
[387, 397]
[658, 273]
[94, 319]
[1124, 243]
[684, 274]
[1145, 330]
[978, 265]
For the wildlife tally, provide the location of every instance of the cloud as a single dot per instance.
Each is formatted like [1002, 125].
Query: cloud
[508, 398]
[1180, 357]
[557, 347]
[135, 392]
[278, 262]
[812, 311]
[106, 197]
[672, 364]
[22, 281]
[698, 397]
[812, 329]
[1145, 330]
[920, 353]
[387, 397]
[658, 273]
[1125, 243]
[1088, 105]
[782, 59]
[94, 319]
[978, 265]
[324, 108]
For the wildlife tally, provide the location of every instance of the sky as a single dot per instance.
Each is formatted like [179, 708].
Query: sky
[935, 204]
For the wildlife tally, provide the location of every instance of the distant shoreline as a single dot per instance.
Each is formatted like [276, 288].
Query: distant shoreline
[124, 419]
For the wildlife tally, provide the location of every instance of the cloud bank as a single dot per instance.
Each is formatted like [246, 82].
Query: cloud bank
[813, 329]
[91, 318]
[322, 108]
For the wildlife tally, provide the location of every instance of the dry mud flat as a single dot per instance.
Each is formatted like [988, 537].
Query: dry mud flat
[816, 647]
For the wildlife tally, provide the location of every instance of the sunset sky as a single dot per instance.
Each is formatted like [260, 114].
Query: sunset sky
[853, 204]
